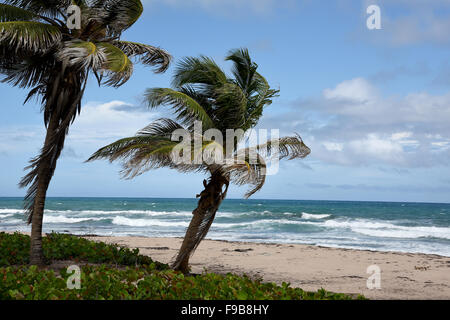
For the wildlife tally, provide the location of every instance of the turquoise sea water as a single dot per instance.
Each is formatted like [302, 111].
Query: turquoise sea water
[406, 227]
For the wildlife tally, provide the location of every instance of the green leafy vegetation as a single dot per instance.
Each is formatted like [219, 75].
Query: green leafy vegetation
[124, 274]
[14, 250]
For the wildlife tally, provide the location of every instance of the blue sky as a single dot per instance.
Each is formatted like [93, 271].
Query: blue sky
[373, 105]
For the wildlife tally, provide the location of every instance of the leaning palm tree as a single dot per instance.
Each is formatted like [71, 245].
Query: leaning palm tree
[204, 98]
[39, 51]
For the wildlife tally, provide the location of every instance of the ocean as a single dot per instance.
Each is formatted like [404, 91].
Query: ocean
[381, 226]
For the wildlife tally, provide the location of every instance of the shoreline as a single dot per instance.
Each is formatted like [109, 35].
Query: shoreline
[93, 236]
[403, 275]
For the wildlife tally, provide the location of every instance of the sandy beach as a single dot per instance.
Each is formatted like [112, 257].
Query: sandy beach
[403, 275]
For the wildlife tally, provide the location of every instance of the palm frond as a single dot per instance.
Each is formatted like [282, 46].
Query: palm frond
[153, 148]
[245, 171]
[202, 98]
[162, 127]
[243, 69]
[231, 106]
[48, 8]
[146, 54]
[187, 109]
[142, 153]
[154, 156]
[83, 54]
[286, 147]
[117, 15]
[29, 36]
[250, 166]
[195, 71]
[261, 97]
[12, 13]
[118, 67]
[27, 72]
[159, 131]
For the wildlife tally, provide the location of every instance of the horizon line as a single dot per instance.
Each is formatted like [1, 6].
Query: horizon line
[254, 199]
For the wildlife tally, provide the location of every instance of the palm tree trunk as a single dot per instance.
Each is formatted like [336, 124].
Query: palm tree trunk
[43, 179]
[203, 216]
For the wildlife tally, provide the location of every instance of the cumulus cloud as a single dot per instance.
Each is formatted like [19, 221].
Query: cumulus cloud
[104, 122]
[97, 125]
[355, 124]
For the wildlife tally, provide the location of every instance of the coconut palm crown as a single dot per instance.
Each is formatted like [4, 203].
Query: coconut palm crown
[38, 51]
[202, 92]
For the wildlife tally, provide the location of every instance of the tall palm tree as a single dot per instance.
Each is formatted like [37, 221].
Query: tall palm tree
[203, 92]
[39, 51]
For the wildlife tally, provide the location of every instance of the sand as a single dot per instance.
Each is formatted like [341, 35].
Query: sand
[403, 275]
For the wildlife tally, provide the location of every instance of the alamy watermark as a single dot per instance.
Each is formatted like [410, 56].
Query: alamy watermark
[374, 281]
[374, 19]
[74, 280]
[73, 17]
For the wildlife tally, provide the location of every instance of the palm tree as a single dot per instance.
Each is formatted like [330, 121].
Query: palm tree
[38, 51]
[202, 92]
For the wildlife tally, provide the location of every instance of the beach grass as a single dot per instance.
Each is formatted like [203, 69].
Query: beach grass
[112, 272]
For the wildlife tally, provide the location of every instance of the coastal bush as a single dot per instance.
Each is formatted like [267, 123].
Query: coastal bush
[107, 283]
[123, 275]
[15, 250]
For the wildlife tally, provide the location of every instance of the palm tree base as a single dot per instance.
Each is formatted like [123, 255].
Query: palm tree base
[203, 216]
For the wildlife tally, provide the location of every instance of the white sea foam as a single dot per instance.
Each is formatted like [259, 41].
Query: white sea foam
[104, 212]
[11, 210]
[63, 219]
[15, 211]
[310, 216]
[12, 222]
[135, 212]
[389, 230]
[263, 223]
[147, 222]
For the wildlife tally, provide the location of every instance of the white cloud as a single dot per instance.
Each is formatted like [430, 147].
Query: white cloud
[354, 124]
[355, 90]
[107, 121]
[333, 146]
[377, 148]
[441, 144]
[97, 125]
[360, 98]
[401, 135]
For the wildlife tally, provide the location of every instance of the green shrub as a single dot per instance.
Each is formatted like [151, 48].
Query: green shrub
[106, 283]
[15, 248]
